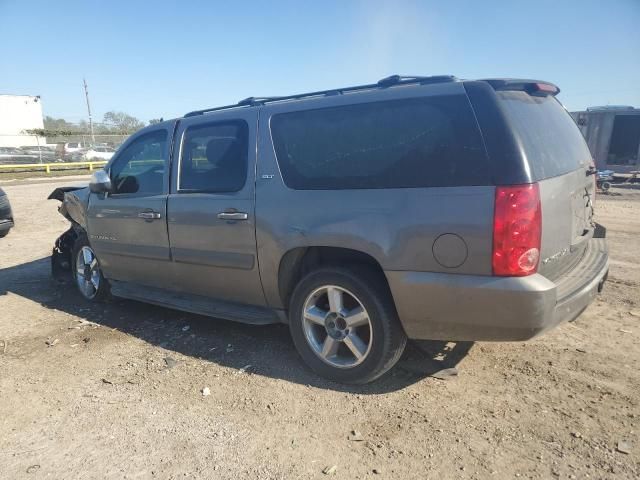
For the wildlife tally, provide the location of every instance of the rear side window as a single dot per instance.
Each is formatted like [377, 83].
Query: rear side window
[551, 140]
[214, 158]
[420, 142]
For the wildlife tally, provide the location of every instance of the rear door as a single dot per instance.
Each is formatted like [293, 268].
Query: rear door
[127, 228]
[560, 161]
[211, 214]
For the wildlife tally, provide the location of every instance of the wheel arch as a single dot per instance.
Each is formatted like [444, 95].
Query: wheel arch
[299, 261]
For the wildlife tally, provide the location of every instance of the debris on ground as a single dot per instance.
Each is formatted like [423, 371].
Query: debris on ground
[445, 373]
[33, 468]
[186, 328]
[229, 348]
[623, 330]
[355, 436]
[244, 369]
[581, 350]
[330, 470]
[206, 392]
[170, 362]
[624, 447]
[377, 471]
[51, 342]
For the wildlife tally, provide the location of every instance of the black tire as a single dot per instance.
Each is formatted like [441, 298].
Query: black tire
[102, 292]
[371, 290]
[4, 233]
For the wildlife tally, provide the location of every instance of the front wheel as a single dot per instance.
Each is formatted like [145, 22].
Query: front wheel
[344, 324]
[87, 273]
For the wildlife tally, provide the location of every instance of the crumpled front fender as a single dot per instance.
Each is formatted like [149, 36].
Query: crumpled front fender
[74, 203]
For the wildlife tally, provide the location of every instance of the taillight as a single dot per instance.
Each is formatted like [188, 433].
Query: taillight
[517, 225]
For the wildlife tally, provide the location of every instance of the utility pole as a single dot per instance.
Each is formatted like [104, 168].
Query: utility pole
[86, 94]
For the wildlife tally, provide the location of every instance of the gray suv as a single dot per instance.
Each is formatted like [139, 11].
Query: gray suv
[415, 207]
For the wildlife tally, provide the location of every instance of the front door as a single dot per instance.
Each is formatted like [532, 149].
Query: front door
[210, 211]
[127, 228]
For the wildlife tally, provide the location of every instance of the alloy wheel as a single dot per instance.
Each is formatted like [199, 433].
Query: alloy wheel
[337, 327]
[87, 273]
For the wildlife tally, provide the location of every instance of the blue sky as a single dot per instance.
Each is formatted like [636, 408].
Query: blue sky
[164, 58]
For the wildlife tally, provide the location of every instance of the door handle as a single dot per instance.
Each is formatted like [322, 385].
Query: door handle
[149, 215]
[233, 216]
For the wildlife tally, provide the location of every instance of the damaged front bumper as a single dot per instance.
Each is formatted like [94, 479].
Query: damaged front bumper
[74, 201]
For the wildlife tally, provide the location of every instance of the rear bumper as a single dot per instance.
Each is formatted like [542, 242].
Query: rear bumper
[441, 306]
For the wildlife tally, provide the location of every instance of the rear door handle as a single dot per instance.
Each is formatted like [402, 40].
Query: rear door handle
[233, 216]
[149, 215]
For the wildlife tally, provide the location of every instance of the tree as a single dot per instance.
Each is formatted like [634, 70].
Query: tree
[153, 121]
[60, 124]
[122, 122]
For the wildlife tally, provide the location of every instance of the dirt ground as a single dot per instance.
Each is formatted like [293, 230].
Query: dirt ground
[114, 390]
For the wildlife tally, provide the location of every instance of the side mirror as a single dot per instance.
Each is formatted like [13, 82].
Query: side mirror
[100, 182]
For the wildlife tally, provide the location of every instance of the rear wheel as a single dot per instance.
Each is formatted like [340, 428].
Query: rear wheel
[344, 324]
[87, 273]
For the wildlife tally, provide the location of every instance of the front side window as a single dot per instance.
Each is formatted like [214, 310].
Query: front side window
[419, 142]
[214, 158]
[140, 167]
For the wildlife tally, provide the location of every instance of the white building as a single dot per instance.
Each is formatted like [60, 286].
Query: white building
[17, 114]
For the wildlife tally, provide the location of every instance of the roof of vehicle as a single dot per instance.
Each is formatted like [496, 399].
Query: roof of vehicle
[387, 82]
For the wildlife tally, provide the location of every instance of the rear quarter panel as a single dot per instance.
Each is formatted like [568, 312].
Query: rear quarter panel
[397, 227]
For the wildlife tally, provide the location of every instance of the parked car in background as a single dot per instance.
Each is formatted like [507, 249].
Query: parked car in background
[9, 155]
[6, 215]
[72, 147]
[99, 153]
[415, 207]
[73, 151]
[44, 153]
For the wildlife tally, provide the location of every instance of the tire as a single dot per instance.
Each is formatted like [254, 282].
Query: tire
[97, 288]
[365, 349]
[4, 233]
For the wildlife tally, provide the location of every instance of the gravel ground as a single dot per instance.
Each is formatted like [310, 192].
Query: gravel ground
[115, 390]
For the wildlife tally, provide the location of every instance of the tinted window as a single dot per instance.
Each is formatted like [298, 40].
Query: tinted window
[140, 167]
[551, 140]
[214, 158]
[420, 142]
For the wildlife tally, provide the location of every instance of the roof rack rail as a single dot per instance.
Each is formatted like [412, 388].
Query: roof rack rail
[398, 79]
[252, 101]
[383, 83]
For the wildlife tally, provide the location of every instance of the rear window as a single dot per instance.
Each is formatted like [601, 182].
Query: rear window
[551, 140]
[420, 142]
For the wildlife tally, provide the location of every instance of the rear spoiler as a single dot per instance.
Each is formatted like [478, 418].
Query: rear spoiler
[532, 87]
